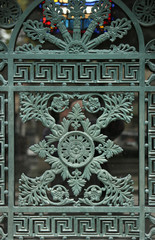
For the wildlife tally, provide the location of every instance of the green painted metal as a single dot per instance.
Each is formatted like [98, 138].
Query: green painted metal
[9, 13]
[76, 149]
[88, 85]
[145, 12]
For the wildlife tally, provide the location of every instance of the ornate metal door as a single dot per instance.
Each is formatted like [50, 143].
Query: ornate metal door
[77, 103]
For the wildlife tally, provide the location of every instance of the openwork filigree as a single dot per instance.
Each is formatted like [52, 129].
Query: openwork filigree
[151, 66]
[150, 47]
[77, 43]
[3, 47]
[145, 12]
[2, 234]
[2, 66]
[9, 13]
[148, 236]
[76, 149]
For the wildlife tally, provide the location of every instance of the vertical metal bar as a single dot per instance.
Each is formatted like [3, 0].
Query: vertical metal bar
[11, 148]
[142, 149]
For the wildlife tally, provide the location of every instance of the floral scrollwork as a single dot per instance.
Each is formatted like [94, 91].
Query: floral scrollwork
[115, 191]
[2, 66]
[150, 48]
[100, 11]
[151, 66]
[53, 13]
[77, 42]
[122, 48]
[28, 48]
[76, 149]
[2, 234]
[148, 236]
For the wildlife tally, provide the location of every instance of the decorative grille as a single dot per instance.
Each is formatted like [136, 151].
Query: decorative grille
[79, 101]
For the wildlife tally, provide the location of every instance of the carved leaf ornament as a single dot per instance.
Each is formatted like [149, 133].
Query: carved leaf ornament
[76, 43]
[76, 149]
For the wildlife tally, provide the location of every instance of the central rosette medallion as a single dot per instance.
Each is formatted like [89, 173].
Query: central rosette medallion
[76, 149]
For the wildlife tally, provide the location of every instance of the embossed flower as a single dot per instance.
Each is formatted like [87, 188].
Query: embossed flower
[75, 149]
[58, 194]
[94, 194]
[92, 105]
[58, 104]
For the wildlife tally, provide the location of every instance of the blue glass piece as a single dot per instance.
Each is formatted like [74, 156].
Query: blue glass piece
[71, 23]
[97, 31]
[86, 23]
[91, 1]
[67, 23]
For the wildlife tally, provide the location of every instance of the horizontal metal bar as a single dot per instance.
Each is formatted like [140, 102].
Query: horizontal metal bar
[85, 88]
[76, 209]
[90, 56]
[149, 209]
[4, 209]
[77, 88]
